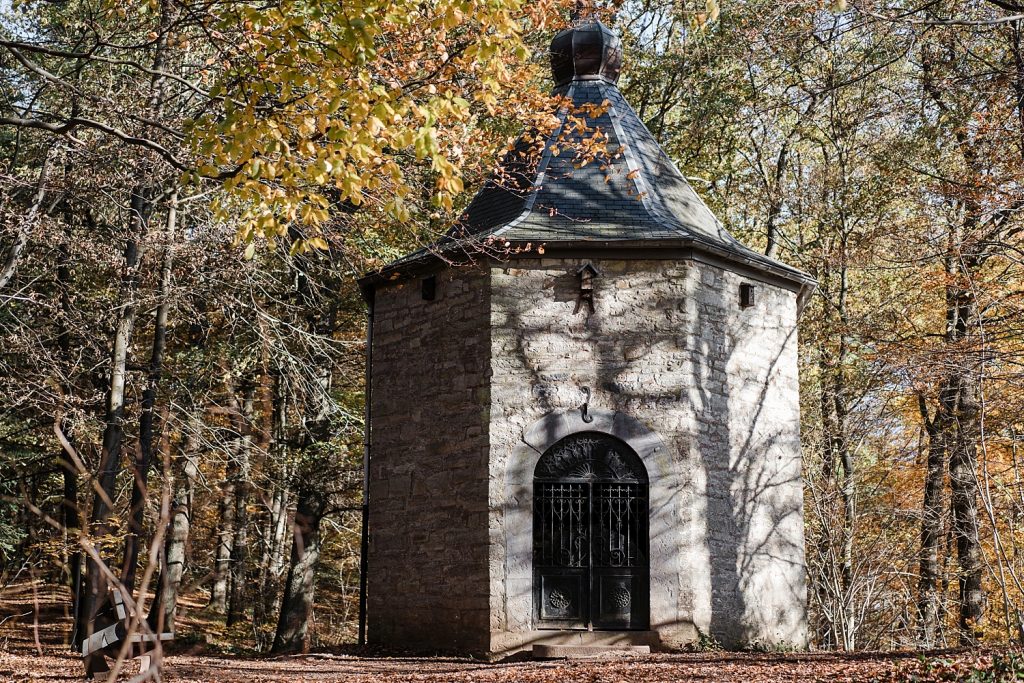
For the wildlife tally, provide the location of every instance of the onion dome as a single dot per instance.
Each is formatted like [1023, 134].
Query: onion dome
[588, 50]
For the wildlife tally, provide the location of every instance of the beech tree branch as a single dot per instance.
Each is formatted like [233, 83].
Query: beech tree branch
[78, 122]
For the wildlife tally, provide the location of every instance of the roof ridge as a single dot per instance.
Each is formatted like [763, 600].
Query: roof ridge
[542, 167]
[671, 162]
[648, 195]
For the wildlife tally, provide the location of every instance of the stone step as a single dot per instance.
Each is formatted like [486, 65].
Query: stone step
[586, 651]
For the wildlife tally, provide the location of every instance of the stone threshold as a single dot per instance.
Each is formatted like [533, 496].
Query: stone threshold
[586, 651]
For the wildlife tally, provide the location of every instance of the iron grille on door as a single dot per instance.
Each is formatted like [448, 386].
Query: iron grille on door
[590, 535]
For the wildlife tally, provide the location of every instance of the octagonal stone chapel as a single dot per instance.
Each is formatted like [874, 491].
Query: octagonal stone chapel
[583, 411]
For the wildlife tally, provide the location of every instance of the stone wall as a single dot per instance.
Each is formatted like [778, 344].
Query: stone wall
[669, 346]
[428, 583]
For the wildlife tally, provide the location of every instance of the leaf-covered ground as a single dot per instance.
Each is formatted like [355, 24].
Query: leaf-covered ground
[35, 620]
[660, 668]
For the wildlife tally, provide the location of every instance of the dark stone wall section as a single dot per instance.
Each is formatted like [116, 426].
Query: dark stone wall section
[428, 574]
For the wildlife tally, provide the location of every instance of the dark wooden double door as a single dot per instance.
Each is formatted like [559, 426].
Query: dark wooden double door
[590, 536]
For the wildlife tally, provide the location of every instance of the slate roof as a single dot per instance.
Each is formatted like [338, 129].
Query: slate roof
[634, 194]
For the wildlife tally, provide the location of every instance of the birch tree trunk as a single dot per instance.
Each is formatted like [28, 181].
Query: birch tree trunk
[144, 460]
[165, 605]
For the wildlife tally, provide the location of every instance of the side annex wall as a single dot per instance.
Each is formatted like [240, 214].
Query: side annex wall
[428, 583]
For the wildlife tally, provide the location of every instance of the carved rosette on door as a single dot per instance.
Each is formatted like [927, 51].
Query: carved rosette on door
[590, 535]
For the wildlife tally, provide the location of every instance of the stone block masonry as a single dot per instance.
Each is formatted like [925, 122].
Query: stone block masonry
[427, 587]
[669, 345]
[704, 390]
[470, 389]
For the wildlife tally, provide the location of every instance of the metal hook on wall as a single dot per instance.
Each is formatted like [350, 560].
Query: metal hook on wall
[587, 417]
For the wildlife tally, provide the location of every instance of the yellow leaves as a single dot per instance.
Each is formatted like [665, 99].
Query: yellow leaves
[710, 14]
[713, 9]
[321, 171]
[488, 99]
[307, 126]
[453, 17]
[350, 185]
[426, 142]
[365, 97]
[312, 215]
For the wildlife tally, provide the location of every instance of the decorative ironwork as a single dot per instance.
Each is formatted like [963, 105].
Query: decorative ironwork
[590, 535]
[561, 525]
[621, 597]
[592, 456]
[621, 525]
[559, 600]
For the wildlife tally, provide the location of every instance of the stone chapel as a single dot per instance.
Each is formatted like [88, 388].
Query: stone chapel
[583, 409]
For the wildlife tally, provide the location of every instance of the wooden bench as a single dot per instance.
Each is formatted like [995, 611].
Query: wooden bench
[96, 646]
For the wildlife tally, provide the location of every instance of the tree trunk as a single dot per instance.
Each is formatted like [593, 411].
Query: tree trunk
[273, 559]
[225, 541]
[71, 521]
[94, 594]
[27, 221]
[165, 605]
[144, 460]
[963, 482]
[278, 537]
[297, 602]
[959, 393]
[1018, 81]
[775, 193]
[110, 455]
[71, 513]
[240, 548]
[231, 538]
[960, 402]
[835, 586]
[931, 530]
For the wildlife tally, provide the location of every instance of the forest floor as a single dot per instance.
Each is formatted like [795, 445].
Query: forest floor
[34, 627]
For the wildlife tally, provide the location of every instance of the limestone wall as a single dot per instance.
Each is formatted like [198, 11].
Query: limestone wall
[668, 345]
[428, 583]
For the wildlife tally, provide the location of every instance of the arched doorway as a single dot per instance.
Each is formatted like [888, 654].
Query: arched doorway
[590, 535]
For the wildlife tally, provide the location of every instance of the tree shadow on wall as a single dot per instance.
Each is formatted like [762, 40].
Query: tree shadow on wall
[748, 522]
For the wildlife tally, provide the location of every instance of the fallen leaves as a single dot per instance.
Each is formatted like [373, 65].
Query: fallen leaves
[866, 667]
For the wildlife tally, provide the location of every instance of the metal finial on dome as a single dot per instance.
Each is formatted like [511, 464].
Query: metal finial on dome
[589, 50]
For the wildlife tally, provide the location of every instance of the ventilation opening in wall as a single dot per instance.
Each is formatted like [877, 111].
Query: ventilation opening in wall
[746, 295]
[429, 288]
